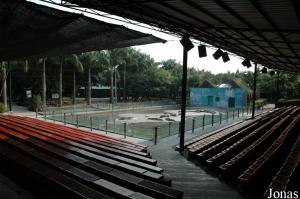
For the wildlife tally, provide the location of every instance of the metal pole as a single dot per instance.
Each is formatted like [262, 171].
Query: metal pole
[65, 118]
[233, 114]
[91, 122]
[105, 126]
[77, 121]
[227, 116]
[183, 97]
[212, 120]
[9, 81]
[203, 120]
[238, 113]
[53, 116]
[170, 123]
[220, 118]
[193, 125]
[179, 129]
[36, 112]
[125, 129]
[254, 90]
[155, 135]
[277, 86]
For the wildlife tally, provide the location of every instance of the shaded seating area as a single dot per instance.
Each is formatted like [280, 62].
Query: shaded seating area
[255, 155]
[55, 160]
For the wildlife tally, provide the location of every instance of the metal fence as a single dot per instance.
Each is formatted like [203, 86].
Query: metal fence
[144, 130]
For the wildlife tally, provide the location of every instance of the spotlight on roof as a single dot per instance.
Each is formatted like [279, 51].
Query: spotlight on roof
[186, 43]
[272, 72]
[225, 57]
[202, 51]
[218, 54]
[246, 63]
[264, 70]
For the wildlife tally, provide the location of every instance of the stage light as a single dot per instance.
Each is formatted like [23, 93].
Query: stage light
[246, 63]
[186, 43]
[202, 51]
[225, 57]
[218, 54]
[264, 70]
[272, 72]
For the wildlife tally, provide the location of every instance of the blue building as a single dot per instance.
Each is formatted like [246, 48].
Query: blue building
[223, 96]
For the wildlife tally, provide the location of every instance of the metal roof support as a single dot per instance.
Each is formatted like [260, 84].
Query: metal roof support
[277, 87]
[254, 90]
[183, 92]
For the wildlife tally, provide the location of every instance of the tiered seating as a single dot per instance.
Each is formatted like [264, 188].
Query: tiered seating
[80, 163]
[259, 154]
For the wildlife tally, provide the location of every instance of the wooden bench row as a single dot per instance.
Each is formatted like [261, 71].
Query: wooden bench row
[252, 152]
[283, 176]
[77, 138]
[63, 158]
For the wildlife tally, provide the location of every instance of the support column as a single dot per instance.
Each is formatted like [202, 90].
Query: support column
[74, 87]
[254, 90]
[44, 84]
[187, 45]
[89, 90]
[60, 82]
[277, 86]
[9, 82]
[4, 86]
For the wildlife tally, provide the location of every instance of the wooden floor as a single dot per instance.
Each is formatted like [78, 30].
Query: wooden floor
[194, 181]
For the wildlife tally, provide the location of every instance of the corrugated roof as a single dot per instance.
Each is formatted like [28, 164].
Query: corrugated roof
[32, 30]
[265, 31]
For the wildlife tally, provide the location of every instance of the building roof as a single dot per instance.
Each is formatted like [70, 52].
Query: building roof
[265, 31]
[207, 84]
[31, 30]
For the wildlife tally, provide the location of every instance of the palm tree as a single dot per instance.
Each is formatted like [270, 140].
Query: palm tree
[76, 66]
[3, 90]
[89, 60]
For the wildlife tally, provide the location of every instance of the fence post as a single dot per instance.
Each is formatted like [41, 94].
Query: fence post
[155, 135]
[125, 129]
[77, 121]
[36, 112]
[203, 120]
[170, 123]
[91, 122]
[179, 129]
[212, 119]
[193, 125]
[53, 116]
[233, 114]
[227, 116]
[220, 118]
[238, 113]
[64, 118]
[105, 126]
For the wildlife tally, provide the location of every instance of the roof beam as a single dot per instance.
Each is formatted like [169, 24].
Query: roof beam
[240, 18]
[270, 20]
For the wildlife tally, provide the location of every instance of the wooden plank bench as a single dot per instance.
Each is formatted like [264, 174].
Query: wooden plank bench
[218, 147]
[219, 158]
[94, 175]
[90, 144]
[270, 152]
[63, 185]
[91, 138]
[63, 153]
[282, 178]
[233, 126]
[76, 147]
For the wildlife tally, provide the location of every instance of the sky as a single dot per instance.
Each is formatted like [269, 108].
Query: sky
[172, 49]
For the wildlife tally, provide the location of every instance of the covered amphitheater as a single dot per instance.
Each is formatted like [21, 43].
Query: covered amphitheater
[256, 157]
